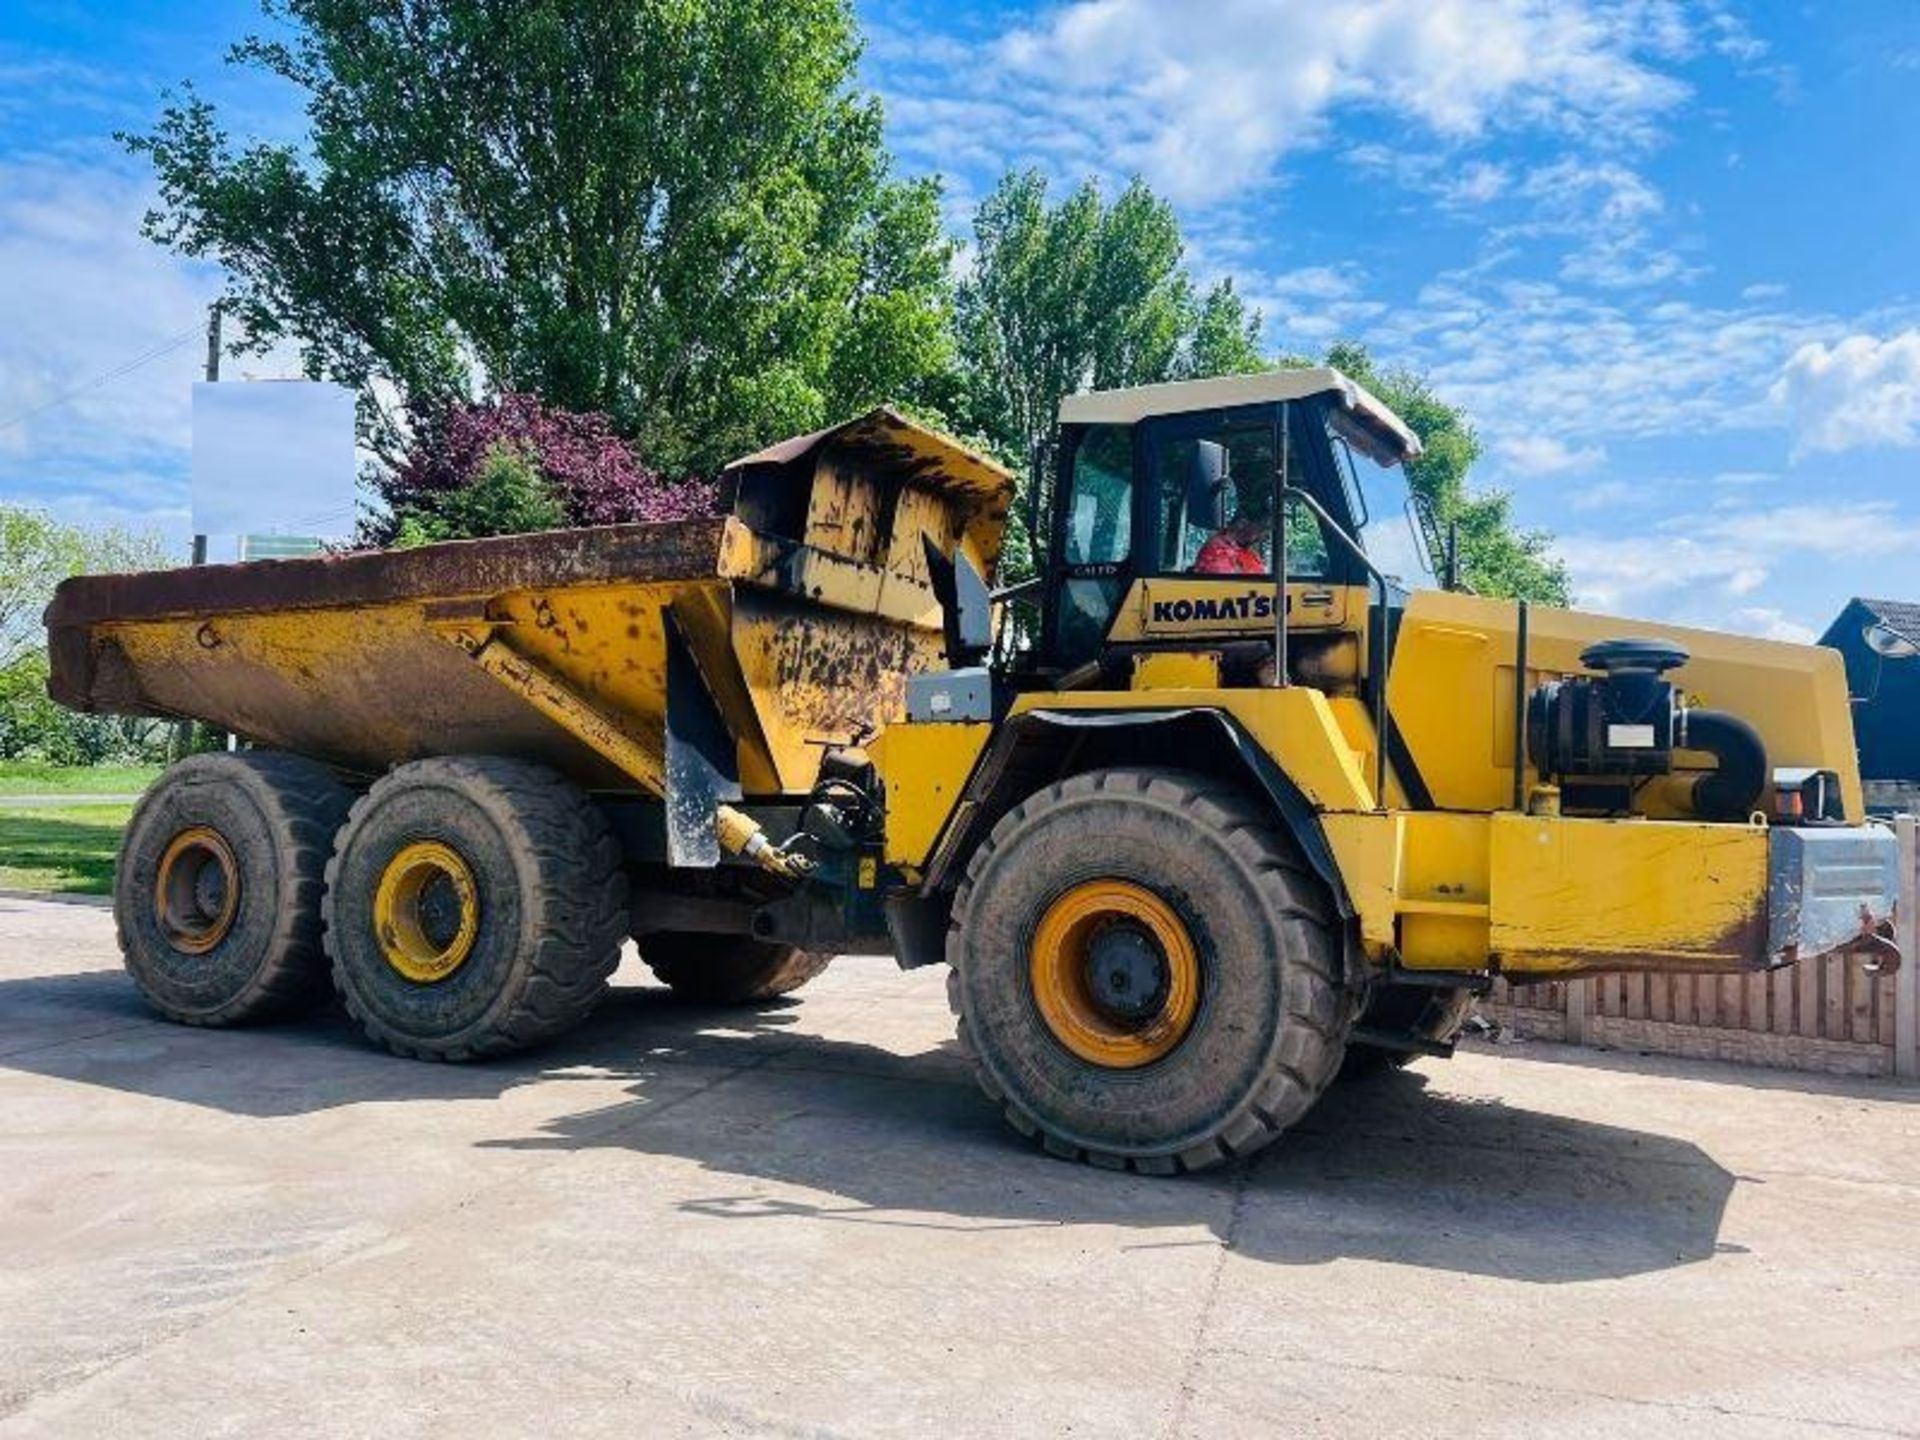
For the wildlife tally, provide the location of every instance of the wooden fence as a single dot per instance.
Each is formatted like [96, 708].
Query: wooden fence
[1827, 1015]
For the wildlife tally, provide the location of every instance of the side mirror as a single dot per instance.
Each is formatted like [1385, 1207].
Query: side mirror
[966, 605]
[1209, 486]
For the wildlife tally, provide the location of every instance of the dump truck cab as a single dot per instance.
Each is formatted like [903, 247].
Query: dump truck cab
[1217, 806]
[1168, 514]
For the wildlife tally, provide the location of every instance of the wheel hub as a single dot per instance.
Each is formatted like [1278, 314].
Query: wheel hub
[1127, 974]
[196, 890]
[1115, 974]
[426, 912]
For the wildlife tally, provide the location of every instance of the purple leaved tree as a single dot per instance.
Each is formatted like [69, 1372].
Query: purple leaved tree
[593, 473]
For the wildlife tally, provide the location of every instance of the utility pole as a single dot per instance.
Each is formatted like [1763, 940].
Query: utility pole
[213, 374]
[183, 729]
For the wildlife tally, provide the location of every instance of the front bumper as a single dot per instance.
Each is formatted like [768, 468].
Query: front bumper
[1833, 890]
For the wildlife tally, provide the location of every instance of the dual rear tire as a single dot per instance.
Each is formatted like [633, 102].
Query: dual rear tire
[460, 907]
[218, 890]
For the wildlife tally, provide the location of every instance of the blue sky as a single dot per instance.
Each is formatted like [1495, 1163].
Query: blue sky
[1663, 250]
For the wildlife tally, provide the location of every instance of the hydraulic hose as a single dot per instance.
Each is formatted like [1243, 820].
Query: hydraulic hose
[1733, 788]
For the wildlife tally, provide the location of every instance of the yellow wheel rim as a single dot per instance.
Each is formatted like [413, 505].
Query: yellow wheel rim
[1115, 974]
[196, 890]
[426, 911]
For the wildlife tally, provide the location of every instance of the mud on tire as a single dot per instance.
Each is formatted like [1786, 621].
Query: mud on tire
[548, 895]
[217, 896]
[1272, 1015]
[727, 969]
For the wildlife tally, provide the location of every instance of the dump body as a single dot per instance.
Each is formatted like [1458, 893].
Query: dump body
[804, 608]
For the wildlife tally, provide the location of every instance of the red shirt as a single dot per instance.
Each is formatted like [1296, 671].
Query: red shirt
[1224, 555]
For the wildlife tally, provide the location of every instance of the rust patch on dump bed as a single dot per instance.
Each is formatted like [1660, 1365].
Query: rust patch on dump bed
[677, 550]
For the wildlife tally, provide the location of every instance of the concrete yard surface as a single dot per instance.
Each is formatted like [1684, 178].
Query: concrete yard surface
[804, 1221]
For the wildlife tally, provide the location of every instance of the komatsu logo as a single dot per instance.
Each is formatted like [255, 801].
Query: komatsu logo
[1252, 605]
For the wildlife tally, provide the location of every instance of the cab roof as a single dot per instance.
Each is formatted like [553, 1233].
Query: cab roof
[1369, 425]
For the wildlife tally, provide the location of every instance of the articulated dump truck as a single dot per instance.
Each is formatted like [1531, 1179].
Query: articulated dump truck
[1218, 805]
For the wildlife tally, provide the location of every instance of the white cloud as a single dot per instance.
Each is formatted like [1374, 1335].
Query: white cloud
[1207, 108]
[1770, 623]
[1692, 568]
[1860, 391]
[1544, 455]
[84, 295]
[1529, 357]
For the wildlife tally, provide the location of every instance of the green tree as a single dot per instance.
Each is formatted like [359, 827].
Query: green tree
[508, 496]
[1066, 297]
[1496, 557]
[1226, 337]
[678, 212]
[37, 552]
[1079, 295]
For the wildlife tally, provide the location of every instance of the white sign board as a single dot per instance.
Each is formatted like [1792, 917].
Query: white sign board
[273, 457]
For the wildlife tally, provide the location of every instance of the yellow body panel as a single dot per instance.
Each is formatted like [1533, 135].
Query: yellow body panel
[1453, 679]
[1554, 896]
[924, 767]
[1295, 725]
[1177, 670]
[1579, 895]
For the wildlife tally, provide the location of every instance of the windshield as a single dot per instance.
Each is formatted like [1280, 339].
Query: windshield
[1383, 507]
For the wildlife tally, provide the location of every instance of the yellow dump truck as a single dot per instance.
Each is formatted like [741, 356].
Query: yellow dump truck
[1219, 802]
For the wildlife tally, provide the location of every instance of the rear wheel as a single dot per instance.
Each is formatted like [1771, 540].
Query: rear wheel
[474, 906]
[1145, 975]
[727, 969]
[217, 895]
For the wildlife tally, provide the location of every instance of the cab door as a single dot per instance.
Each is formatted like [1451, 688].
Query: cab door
[1095, 523]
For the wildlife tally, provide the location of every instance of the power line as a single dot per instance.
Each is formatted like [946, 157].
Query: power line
[166, 347]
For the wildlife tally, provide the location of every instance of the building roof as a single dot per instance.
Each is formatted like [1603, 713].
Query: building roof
[1373, 428]
[1901, 615]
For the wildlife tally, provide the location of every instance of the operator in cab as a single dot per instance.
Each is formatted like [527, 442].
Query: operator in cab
[1239, 547]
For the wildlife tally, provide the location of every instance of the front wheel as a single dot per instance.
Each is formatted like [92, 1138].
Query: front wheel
[1144, 973]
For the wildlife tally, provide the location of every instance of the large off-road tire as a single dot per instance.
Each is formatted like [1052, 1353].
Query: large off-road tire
[217, 896]
[1425, 1012]
[1145, 973]
[474, 906]
[727, 969]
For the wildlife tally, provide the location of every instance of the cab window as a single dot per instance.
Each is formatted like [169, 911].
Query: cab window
[1100, 501]
[1189, 544]
[1096, 545]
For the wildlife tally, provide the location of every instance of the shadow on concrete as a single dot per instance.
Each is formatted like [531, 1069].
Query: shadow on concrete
[1393, 1169]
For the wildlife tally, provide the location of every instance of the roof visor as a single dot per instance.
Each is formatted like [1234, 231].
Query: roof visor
[1362, 420]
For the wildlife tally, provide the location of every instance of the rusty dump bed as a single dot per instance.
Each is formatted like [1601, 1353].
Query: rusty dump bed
[802, 609]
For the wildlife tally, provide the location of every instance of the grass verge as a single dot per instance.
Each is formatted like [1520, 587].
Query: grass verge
[65, 851]
[24, 777]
